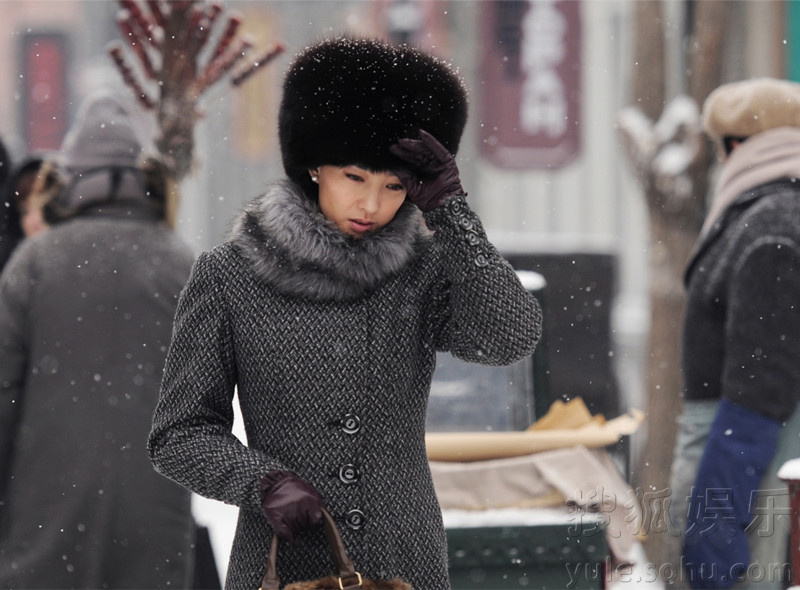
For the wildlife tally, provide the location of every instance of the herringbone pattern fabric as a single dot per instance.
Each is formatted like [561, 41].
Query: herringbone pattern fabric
[335, 391]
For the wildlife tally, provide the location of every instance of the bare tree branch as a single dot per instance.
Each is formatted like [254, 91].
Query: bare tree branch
[169, 73]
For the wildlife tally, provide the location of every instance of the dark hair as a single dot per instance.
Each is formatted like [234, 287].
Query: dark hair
[5, 164]
[10, 229]
[729, 142]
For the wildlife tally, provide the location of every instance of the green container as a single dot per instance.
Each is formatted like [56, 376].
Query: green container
[542, 556]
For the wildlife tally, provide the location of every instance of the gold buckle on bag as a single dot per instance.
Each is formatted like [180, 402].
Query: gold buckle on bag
[341, 583]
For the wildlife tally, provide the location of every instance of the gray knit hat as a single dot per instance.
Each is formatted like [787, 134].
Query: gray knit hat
[742, 109]
[104, 134]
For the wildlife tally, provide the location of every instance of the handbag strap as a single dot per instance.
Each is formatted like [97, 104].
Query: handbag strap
[349, 578]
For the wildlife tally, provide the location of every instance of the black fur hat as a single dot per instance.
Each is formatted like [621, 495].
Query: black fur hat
[346, 100]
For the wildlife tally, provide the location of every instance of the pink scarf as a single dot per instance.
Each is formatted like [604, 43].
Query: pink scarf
[764, 157]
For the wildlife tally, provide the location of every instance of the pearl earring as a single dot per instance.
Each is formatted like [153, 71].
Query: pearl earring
[314, 178]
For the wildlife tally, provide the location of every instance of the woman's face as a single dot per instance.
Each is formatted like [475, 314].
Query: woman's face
[358, 201]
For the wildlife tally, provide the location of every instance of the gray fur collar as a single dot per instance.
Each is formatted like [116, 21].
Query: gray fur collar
[291, 246]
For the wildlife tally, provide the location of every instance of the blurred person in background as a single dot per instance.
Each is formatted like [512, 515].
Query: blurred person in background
[29, 186]
[86, 312]
[10, 231]
[5, 163]
[741, 339]
[26, 190]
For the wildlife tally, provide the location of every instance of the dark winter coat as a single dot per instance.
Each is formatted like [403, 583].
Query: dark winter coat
[742, 328]
[86, 312]
[331, 344]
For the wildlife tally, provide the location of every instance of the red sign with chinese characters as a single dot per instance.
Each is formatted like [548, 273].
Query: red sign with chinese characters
[530, 82]
[43, 75]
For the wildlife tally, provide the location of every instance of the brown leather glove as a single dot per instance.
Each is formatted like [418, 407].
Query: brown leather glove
[290, 504]
[433, 177]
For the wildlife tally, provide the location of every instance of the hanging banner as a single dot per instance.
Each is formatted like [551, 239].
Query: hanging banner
[43, 71]
[530, 75]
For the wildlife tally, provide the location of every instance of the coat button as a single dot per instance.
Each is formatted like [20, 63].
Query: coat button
[355, 519]
[351, 424]
[349, 474]
[456, 208]
[481, 261]
[472, 239]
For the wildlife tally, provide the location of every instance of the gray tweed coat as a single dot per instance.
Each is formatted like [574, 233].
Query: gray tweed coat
[331, 343]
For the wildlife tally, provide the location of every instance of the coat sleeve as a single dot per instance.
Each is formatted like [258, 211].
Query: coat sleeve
[741, 443]
[191, 441]
[480, 310]
[763, 329]
[16, 286]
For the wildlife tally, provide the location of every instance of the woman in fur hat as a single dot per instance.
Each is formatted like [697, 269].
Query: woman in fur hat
[325, 309]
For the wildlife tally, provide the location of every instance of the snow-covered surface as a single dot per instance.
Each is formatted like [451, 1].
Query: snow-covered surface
[790, 470]
[639, 574]
[532, 281]
[460, 519]
[680, 113]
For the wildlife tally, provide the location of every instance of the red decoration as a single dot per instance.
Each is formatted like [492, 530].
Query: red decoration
[168, 40]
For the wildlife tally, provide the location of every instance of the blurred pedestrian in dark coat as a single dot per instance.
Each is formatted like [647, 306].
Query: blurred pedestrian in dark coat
[86, 312]
[740, 343]
[10, 231]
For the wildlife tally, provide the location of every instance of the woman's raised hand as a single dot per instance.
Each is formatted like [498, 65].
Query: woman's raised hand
[433, 175]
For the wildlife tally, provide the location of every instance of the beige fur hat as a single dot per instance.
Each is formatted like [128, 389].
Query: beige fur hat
[742, 109]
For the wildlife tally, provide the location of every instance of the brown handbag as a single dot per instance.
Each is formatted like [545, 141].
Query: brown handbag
[347, 578]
